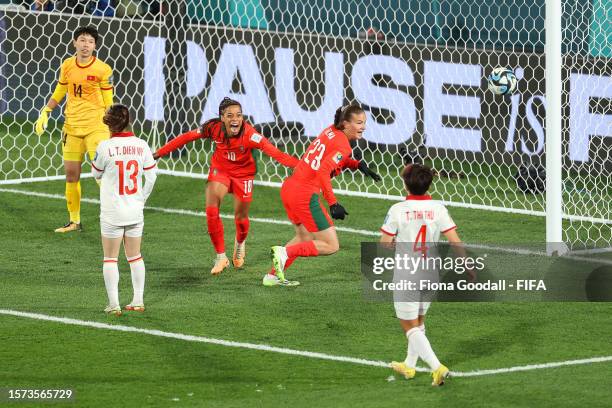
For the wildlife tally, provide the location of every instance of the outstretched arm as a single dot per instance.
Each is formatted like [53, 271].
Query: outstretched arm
[281, 157]
[360, 165]
[178, 142]
[350, 163]
[257, 141]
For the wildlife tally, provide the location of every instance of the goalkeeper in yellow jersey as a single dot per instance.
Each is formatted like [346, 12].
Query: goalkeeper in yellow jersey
[88, 83]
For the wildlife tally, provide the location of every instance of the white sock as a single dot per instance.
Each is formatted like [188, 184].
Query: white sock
[284, 256]
[221, 257]
[110, 270]
[137, 268]
[412, 356]
[422, 347]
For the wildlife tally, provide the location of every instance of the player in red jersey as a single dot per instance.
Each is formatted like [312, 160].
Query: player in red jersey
[232, 170]
[314, 230]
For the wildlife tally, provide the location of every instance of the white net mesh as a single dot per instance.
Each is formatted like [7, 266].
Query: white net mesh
[587, 98]
[419, 69]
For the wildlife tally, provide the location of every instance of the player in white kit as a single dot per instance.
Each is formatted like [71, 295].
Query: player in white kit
[120, 163]
[418, 220]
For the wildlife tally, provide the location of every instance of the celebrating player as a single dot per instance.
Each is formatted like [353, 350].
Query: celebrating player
[425, 221]
[314, 231]
[88, 82]
[120, 163]
[232, 171]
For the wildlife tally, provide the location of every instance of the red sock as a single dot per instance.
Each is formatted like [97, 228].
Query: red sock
[307, 248]
[215, 229]
[242, 229]
[287, 265]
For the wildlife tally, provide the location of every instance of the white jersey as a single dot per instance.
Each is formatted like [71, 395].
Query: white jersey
[120, 163]
[418, 219]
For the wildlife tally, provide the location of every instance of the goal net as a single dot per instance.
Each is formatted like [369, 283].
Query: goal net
[418, 68]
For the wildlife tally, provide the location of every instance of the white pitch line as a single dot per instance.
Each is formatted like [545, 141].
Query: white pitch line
[343, 192]
[283, 350]
[592, 251]
[264, 347]
[180, 211]
[530, 367]
[187, 337]
[367, 233]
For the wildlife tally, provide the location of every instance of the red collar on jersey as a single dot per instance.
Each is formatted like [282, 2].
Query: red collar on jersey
[93, 59]
[335, 129]
[418, 197]
[122, 134]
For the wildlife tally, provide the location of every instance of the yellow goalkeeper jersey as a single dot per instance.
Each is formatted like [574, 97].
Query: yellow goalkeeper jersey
[84, 104]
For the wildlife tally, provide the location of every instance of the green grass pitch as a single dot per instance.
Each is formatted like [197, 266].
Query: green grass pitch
[60, 275]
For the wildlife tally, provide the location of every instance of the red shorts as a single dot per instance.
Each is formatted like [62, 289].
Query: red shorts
[242, 188]
[303, 207]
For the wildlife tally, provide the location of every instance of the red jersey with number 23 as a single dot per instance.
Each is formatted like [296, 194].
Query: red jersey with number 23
[233, 155]
[330, 150]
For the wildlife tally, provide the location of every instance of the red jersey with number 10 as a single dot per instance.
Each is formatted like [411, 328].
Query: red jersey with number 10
[326, 153]
[233, 155]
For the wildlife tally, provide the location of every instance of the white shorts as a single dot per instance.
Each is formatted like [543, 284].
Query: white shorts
[115, 231]
[410, 310]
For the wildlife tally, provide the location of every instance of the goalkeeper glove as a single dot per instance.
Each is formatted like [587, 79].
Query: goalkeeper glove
[42, 121]
[337, 211]
[363, 167]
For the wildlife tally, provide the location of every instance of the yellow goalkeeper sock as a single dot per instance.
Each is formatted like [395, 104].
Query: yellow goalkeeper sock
[73, 201]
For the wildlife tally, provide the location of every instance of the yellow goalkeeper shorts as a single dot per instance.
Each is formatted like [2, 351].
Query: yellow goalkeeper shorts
[74, 147]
